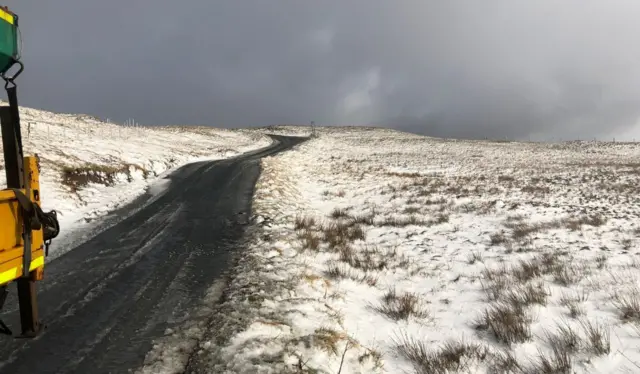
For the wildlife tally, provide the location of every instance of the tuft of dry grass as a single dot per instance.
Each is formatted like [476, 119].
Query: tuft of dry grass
[337, 270]
[508, 322]
[628, 304]
[572, 302]
[363, 219]
[567, 274]
[498, 238]
[328, 339]
[528, 294]
[339, 213]
[403, 221]
[527, 270]
[367, 260]
[401, 307]
[411, 210]
[304, 223]
[558, 361]
[474, 257]
[494, 282]
[340, 234]
[598, 340]
[452, 357]
[310, 240]
[565, 339]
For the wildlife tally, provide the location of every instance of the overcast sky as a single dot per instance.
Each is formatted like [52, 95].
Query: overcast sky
[541, 68]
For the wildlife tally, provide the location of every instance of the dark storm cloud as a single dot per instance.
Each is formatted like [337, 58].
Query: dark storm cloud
[446, 68]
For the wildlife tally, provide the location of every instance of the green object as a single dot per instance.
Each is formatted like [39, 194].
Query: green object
[8, 40]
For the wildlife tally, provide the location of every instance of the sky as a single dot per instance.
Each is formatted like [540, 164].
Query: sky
[473, 69]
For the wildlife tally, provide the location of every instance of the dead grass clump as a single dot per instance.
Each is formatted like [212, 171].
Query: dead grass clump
[572, 302]
[529, 294]
[523, 230]
[77, 177]
[304, 223]
[494, 282]
[628, 304]
[367, 260]
[328, 339]
[339, 234]
[598, 340]
[509, 323]
[504, 362]
[310, 240]
[411, 210]
[527, 270]
[452, 357]
[532, 189]
[576, 223]
[567, 274]
[401, 307]
[498, 238]
[565, 339]
[474, 257]
[339, 213]
[403, 221]
[557, 362]
[506, 178]
[440, 219]
[337, 270]
[363, 219]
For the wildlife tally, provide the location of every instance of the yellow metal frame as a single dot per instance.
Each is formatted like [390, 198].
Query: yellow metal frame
[11, 241]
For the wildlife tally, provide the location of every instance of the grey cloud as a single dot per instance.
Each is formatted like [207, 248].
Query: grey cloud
[466, 69]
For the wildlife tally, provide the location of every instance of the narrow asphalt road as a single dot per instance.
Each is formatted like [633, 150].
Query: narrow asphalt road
[108, 298]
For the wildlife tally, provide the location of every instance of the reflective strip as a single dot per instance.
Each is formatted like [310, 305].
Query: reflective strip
[6, 16]
[14, 273]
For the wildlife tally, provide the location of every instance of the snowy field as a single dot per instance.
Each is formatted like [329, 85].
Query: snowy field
[384, 252]
[90, 168]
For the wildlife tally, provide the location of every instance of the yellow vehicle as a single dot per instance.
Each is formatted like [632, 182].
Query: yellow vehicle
[25, 230]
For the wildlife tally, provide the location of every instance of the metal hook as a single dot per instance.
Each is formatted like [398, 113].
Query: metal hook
[9, 80]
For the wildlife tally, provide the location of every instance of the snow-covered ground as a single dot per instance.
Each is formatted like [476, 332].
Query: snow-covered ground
[381, 251]
[90, 168]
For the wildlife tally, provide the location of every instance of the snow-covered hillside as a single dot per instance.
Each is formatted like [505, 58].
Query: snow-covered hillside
[380, 251]
[91, 167]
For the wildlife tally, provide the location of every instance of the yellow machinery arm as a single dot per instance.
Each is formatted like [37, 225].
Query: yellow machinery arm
[25, 230]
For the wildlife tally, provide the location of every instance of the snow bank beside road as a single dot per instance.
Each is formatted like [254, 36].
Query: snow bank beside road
[91, 167]
[380, 251]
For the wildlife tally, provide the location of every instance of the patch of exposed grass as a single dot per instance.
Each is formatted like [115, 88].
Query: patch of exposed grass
[509, 323]
[328, 339]
[452, 357]
[302, 223]
[527, 270]
[628, 304]
[310, 240]
[474, 257]
[403, 306]
[498, 238]
[412, 220]
[598, 338]
[77, 177]
[573, 303]
[528, 294]
[337, 270]
[363, 219]
[558, 361]
[366, 260]
[339, 213]
[340, 234]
